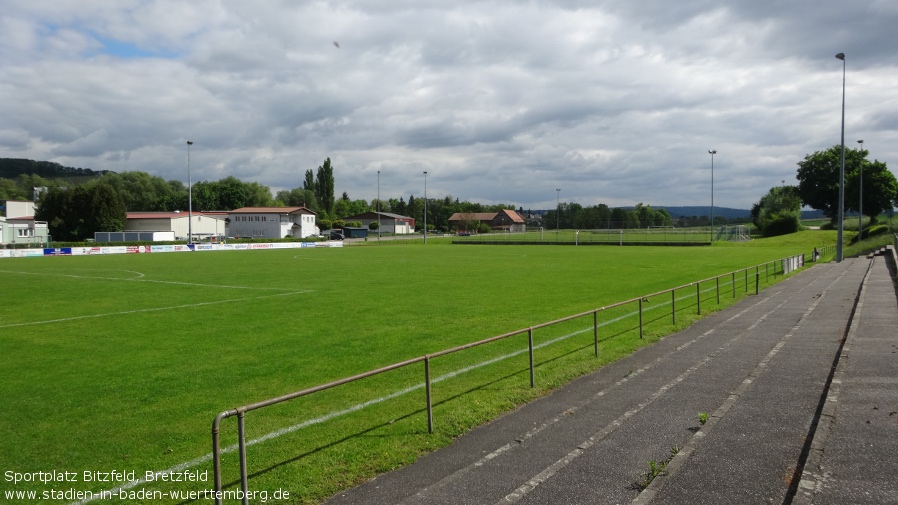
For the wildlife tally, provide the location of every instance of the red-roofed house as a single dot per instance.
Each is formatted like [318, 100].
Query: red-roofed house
[504, 220]
[272, 222]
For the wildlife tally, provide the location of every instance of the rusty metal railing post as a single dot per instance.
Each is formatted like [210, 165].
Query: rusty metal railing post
[530, 345]
[595, 332]
[757, 283]
[734, 283]
[673, 305]
[640, 318]
[241, 433]
[427, 393]
[216, 454]
[746, 280]
[698, 297]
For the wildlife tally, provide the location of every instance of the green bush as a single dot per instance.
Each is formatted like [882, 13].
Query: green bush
[781, 224]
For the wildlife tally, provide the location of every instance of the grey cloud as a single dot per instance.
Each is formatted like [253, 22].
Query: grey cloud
[614, 102]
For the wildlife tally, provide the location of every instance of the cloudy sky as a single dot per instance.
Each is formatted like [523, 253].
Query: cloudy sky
[614, 102]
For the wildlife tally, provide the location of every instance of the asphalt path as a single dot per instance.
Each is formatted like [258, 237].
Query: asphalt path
[787, 396]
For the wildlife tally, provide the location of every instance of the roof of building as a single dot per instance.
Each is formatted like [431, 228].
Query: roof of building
[172, 215]
[486, 216]
[513, 215]
[374, 214]
[272, 210]
[479, 216]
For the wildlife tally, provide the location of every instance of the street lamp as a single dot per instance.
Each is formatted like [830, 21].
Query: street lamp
[860, 204]
[839, 237]
[712, 152]
[189, 198]
[557, 211]
[378, 205]
[425, 207]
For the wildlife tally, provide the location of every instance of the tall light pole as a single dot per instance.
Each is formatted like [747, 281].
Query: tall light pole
[378, 205]
[189, 198]
[557, 211]
[425, 207]
[712, 152]
[839, 237]
[860, 204]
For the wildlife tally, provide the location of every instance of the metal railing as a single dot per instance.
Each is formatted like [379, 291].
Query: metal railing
[777, 267]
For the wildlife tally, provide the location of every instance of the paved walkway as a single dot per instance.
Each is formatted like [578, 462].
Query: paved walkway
[796, 412]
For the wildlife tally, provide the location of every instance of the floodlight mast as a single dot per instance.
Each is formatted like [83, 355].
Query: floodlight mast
[712, 152]
[840, 236]
[425, 207]
[189, 198]
[860, 202]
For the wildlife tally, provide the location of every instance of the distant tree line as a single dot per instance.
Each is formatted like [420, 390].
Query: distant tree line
[575, 216]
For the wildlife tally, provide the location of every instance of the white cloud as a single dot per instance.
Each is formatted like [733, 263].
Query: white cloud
[614, 102]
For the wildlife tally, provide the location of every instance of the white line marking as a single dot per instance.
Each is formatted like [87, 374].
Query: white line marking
[142, 278]
[155, 309]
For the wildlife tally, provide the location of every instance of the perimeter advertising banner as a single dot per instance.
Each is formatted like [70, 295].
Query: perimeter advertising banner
[143, 249]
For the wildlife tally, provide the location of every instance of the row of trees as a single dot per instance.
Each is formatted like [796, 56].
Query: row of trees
[779, 211]
[575, 216]
[77, 213]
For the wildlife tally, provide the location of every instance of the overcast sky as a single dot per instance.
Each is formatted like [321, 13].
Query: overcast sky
[614, 102]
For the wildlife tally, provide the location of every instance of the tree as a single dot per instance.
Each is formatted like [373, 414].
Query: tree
[54, 209]
[880, 188]
[309, 182]
[76, 214]
[818, 182]
[298, 197]
[778, 212]
[324, 187]
[106, 211]
[232, 194]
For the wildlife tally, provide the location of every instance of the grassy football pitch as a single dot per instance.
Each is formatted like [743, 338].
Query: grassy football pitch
[119, 363]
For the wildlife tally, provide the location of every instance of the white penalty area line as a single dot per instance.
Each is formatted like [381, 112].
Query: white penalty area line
[141, 278]
[155, 309]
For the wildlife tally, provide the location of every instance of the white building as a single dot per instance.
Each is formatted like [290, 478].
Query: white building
[204, 225]
[19, 226]
[389, 223]
[272, 222]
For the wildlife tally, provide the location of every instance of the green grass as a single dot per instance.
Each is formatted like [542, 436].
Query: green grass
[121, 362]
[641, 236]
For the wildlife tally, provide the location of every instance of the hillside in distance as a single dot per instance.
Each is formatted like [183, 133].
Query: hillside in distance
[11, 168]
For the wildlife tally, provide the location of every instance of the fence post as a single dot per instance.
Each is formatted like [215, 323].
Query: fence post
[640, 318]
[595, 331]
[216, 457]
[427, 392]
[746, 280]
[734, 283]
[673, 305]
[241, 433]
[530, 345]
[698, 297]
[717, 288]
[757, 283]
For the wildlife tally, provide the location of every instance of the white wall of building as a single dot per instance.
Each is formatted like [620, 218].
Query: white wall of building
[272, 224]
